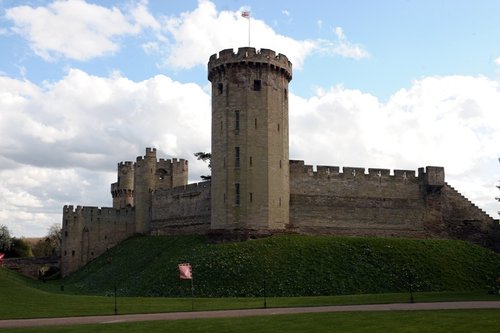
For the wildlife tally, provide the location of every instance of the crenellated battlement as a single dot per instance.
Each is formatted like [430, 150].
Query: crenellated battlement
[125, 164]
[249, 55]
[186, 189]
[91, 211]
[300, 169]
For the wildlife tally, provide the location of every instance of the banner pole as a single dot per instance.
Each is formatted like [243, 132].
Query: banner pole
[192, 294]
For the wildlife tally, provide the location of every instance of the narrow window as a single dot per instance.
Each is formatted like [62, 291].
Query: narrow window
[237, 157]
[279, 202]
[224, 162]
[280, 164]
[278, 127]
[65, 252]
[237, 120]
[251, 197]
[257, 85]
[255, 123]
[286, 94]
[224, 197]
[237, 192]
[221, 128]
[65, 234]
[220, 88]
[73, 253]
[250, 160]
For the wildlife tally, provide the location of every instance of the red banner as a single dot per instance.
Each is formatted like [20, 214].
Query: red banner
[185, 272]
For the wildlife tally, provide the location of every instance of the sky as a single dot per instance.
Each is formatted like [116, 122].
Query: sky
[389, 84]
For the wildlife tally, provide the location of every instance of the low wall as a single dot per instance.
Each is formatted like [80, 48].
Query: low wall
[32, 267]
[181, 210]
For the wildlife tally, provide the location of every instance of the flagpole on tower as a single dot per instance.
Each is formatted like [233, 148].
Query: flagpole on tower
[246, 14]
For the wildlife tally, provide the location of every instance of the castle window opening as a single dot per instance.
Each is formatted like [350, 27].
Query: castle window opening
[278, 127]
[73, 253]
[224, 197]
[237, 120]
[65, 252]
[255, 122]
[279, 202]
[286, 94]
[65, 234]
[237, 193]
[257, 85]
[220, 88]
[251, 197]
[237, 157]
[221, 128]
[250, 160]
[280, 164]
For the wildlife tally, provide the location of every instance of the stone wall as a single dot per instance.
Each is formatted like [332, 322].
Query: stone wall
[32, 267]
[377, 203]
[462, 219]
[352, 202]
[88, 232]
[181, 210]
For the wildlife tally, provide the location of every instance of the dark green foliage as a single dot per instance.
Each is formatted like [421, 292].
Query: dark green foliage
[291, 265]
[5, 238]
[203, 156]
[19, 248]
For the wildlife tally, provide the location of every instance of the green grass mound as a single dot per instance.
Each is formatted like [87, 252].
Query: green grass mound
[293, 265]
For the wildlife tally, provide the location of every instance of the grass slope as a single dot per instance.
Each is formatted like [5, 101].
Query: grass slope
[292, 265]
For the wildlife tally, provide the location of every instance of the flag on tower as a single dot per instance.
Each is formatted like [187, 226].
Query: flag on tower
[185, 272]
[245, 14]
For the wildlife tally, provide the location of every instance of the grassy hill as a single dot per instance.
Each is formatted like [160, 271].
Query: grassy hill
[292, 265]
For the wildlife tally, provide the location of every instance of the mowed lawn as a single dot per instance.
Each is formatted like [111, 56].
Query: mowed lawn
[394, 321]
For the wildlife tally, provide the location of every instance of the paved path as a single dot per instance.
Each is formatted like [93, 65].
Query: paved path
[245, 313]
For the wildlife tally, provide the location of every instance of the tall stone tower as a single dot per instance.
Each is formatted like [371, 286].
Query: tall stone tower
[250, 168]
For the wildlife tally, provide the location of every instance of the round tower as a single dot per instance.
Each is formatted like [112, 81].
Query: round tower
[144, 185]
[250, 168]
[123, 190]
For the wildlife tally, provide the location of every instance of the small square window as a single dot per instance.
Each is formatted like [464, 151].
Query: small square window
[237, 192]
[257, 85]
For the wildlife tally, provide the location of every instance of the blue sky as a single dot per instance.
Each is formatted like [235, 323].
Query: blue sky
[392, 84]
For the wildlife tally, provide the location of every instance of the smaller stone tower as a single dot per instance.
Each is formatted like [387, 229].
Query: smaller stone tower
[250, 169]
[123, 190]
[144, 185]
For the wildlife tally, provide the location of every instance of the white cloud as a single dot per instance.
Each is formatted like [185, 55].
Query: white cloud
[60, 142]
[343, 47]
[446, 121]
[497, 61]
[193, 36]
[76, 29]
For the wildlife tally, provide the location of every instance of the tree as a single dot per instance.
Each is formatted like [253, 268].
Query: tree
[50, 244]
[202, 156]
[20, 248]
[5, 238]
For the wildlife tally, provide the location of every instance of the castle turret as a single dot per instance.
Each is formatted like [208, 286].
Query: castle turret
[250, 169]
[123, 190]
[144, 185]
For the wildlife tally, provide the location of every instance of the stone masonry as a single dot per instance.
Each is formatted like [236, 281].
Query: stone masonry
[256, 190]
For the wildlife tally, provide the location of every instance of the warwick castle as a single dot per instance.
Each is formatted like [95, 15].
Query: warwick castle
[256, 190]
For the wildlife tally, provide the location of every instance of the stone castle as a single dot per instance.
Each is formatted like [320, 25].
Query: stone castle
[255, 190]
